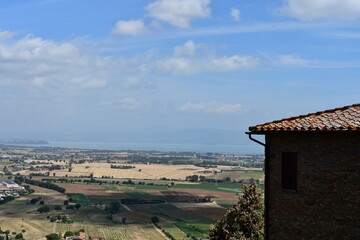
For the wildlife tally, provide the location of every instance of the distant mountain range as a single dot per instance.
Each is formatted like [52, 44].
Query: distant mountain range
[22, 141]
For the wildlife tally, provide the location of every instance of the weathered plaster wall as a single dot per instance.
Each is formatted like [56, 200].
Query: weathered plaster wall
[327, 202]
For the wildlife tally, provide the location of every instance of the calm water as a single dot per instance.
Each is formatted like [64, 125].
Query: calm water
[166, 147]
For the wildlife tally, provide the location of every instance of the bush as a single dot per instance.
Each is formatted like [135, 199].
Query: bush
[114, 207]
[155, 219]
[78, 205]
[19, 236]
[43, 209]
[34, 200]
[68, 234]
[53, 236]
[58, 208]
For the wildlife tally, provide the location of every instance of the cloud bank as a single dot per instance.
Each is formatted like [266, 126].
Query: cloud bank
[132, 27]
[307, 10]
[212, 107]
[179, 13]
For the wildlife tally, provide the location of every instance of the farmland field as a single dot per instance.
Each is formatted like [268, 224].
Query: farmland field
[173, 230]
[236, 174]
[79, 198]
[221, 187]
[118, 202]
[141, 171]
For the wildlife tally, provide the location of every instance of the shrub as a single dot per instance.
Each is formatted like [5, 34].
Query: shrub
[19, 236]
[43, 209]
[58, 208]
[155, 219]
[68, 234]
[53, 236]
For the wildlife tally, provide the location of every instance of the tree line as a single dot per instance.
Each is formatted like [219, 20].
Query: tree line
[46, 185]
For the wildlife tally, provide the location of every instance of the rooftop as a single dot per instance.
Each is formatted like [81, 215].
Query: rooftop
[9, 182]
[334, 120]
[3, 188]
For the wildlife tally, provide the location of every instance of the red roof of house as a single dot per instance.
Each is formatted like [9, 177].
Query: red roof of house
[338, 119]
[81, 236]
[4, 188]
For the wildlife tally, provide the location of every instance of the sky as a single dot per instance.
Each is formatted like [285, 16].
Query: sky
[172, 71]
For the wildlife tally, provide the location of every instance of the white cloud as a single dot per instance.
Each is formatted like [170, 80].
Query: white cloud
[132, 27]
[156, 25]
[186, 61]
[6, 34]
[290, 60]
[189, 66]
[321, 9]
[212, 107]
[179, 13]
[33, 61]
[188, 49]
[235, 14]
[130, 104]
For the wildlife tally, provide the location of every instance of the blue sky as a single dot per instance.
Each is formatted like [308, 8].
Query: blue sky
[172, 71]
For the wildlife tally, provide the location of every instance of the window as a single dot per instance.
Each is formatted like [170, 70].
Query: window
[289, 171]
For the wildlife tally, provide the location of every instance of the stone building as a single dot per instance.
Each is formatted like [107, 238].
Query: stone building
[312, 175]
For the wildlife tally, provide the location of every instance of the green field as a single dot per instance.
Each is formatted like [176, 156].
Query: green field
[220, 187]
[79, 198]
[191, 230]
[173, 230]
[157, 187]
[147, 196]
[244, 174]
[118, 187]
[13, 204]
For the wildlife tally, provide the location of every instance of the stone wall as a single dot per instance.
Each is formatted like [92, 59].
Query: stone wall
[327, 202]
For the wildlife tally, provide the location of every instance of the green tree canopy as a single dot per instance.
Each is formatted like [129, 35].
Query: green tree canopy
[245, 220]
[53, 236]
[19, 236]
[58, 208]
[155, 219]
[43, 209]
[68, 234]
[114, 207]
[78, 205]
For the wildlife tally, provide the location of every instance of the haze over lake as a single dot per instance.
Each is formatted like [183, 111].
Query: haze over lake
[167, 147]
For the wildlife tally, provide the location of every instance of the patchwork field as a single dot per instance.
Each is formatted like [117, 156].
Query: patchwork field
[237, 174]
[141, 171]
[37, 229]
[185, 209]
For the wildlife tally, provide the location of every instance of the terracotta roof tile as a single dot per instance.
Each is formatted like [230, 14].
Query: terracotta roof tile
[338, 119]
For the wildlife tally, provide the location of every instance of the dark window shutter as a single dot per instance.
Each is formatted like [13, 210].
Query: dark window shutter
[289, 171]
